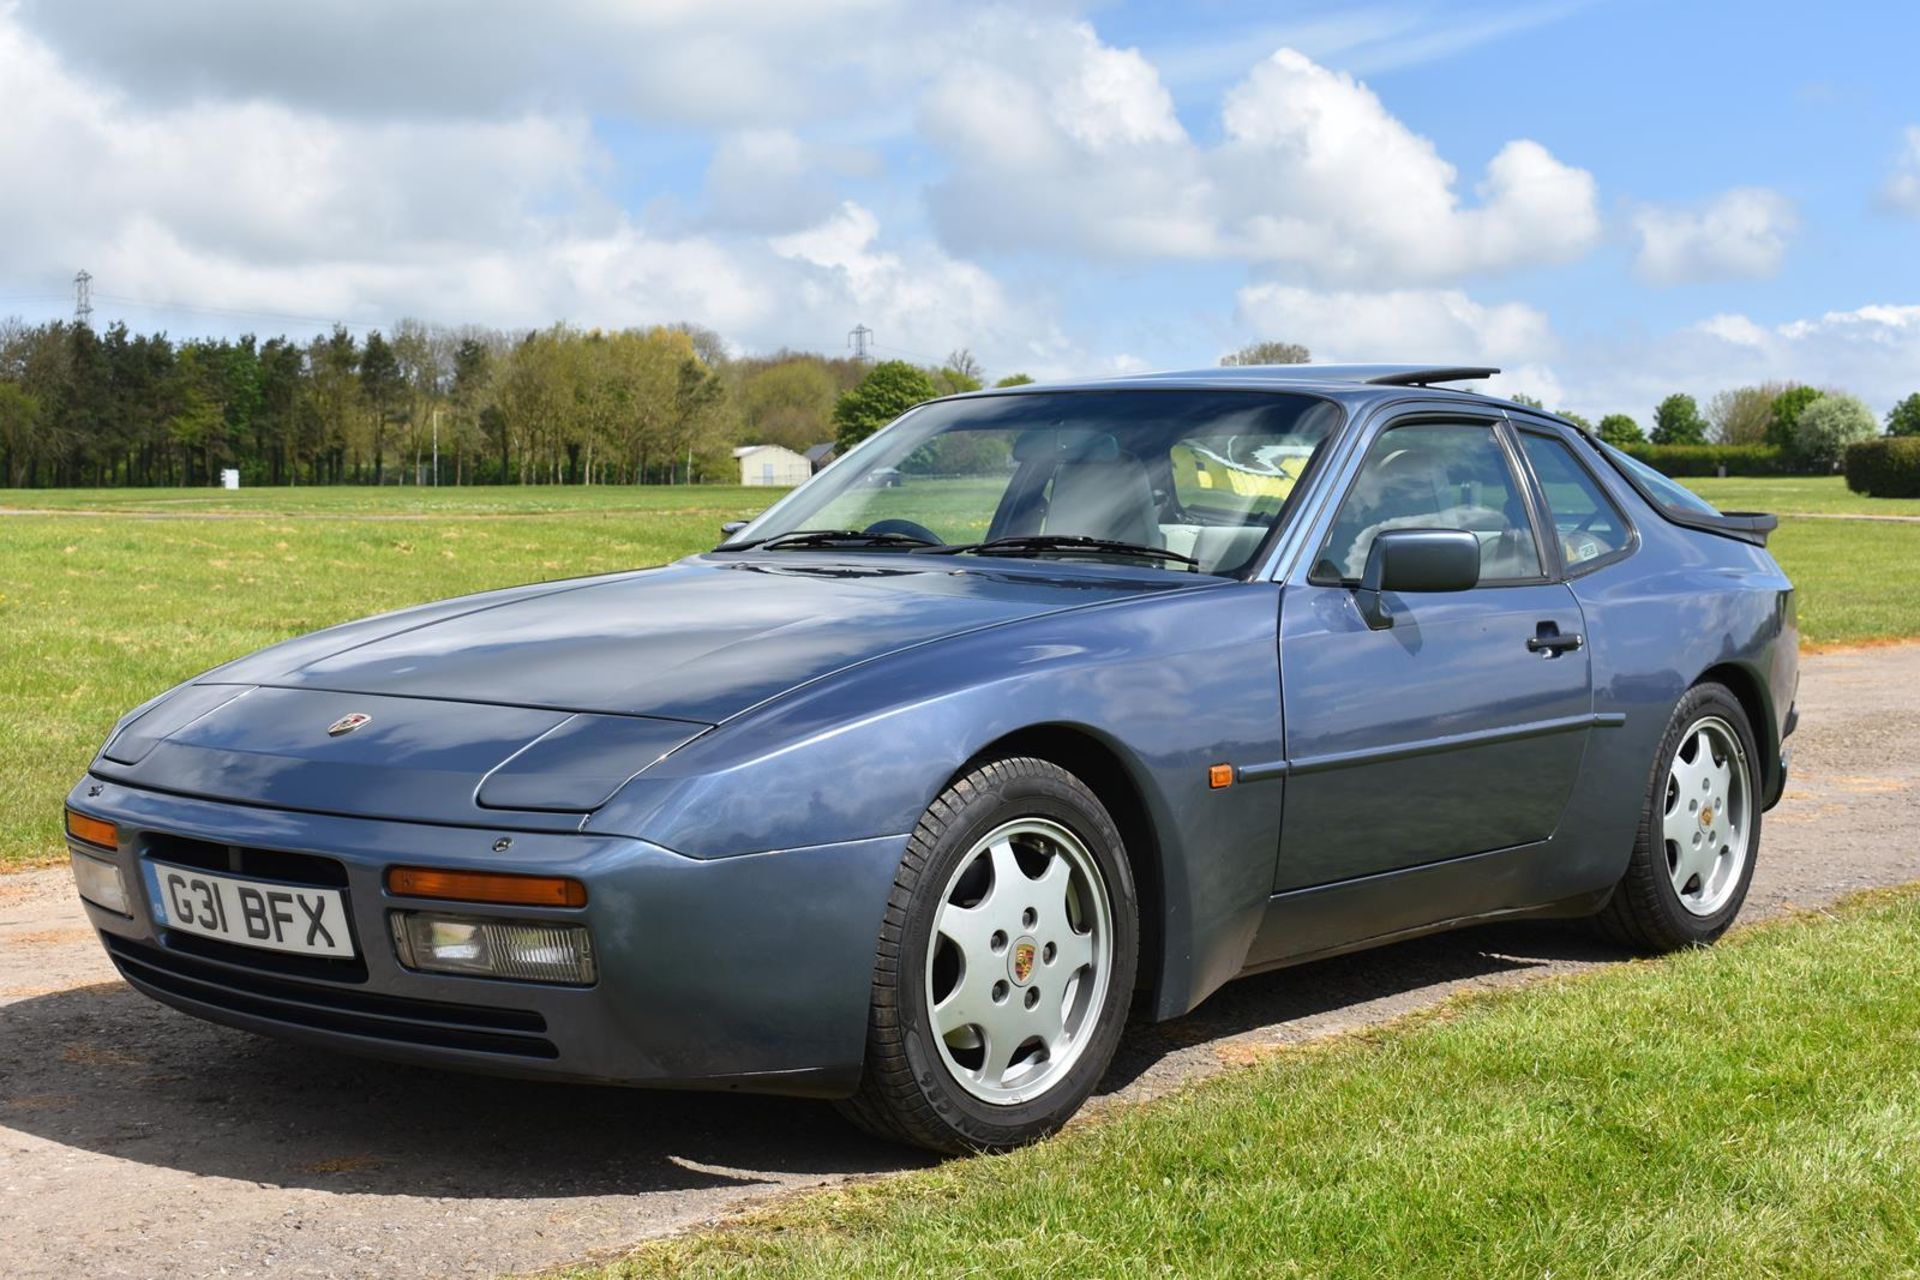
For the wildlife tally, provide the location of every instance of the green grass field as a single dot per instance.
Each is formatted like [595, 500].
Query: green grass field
[408, 502]
[1797, 495]
[118, 594]
[1753, 1110]
[102, 609]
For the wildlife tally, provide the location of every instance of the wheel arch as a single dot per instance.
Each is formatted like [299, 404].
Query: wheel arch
[1751, 692]
[1113, 778]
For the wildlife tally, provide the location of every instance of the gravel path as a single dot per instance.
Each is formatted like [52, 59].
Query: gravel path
[135, 1141]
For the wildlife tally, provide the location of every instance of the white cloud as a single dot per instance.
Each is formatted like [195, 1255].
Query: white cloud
[1060, 141]
[1399, 325]
[1361, 38]
[1741, 234]
[703, 62]
[256, 180]
[1735, 329]
[1901, 194]
[1871, 351]
[259, 208]
[923, 300]
[773, 180]
[1318, 173]
[459, 167]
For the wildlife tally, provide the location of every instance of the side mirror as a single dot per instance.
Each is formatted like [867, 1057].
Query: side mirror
[730, 528]
[1416, 560]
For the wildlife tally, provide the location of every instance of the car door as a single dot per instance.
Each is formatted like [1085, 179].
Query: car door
[1460, 728]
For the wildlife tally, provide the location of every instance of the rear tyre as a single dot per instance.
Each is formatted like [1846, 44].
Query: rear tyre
[1699, 834]
[1005, 964]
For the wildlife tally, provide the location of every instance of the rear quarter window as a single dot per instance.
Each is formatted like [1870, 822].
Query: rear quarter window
[1672, 495]
[1587, 524]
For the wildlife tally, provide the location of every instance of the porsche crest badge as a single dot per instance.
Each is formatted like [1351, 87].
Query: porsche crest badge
[347, 723]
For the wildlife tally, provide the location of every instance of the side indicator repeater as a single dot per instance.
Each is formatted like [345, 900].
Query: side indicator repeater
[1220, 775]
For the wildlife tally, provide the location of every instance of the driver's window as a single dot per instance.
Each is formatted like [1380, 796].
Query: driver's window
[1435, 475]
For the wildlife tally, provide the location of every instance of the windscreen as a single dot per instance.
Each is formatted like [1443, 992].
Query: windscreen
[1204, 474]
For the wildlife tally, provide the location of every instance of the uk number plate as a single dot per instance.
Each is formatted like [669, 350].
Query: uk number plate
[251, 913]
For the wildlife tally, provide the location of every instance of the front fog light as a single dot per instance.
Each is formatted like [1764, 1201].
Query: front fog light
[524, 950]
[99, 882]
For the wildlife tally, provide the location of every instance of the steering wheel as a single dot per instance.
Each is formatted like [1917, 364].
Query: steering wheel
[911, 528]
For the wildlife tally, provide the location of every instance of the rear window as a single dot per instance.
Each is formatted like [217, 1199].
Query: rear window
[1675, 497]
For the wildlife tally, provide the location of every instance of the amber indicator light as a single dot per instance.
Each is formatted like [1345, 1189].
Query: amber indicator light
[487, 886]
[93, 830]
[1220, 775]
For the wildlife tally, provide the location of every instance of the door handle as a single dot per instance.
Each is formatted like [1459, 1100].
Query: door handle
[1550, 640]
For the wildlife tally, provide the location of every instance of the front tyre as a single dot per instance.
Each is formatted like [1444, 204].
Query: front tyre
[1005, 964]
[1693, 856]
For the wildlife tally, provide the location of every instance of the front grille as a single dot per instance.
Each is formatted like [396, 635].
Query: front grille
[169, 971]
[316, 968]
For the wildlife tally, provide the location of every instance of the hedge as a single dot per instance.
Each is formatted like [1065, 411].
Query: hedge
[1885, 468]
[1707, 459]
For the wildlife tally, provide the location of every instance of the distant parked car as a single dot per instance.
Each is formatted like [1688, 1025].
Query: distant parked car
[899, 798]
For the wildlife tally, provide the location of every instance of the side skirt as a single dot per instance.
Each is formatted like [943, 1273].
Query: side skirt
[1352, 915]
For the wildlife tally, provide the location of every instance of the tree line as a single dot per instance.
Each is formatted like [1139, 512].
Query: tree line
[559, 405]
[1809, 427]
[563, 405]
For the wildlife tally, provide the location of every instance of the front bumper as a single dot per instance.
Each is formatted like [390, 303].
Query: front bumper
[750, 972]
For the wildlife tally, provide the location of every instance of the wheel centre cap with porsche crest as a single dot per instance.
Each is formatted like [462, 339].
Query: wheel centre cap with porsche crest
[347, 723]
[1020, 961]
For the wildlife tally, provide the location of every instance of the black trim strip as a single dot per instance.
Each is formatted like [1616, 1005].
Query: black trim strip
[1429, 746]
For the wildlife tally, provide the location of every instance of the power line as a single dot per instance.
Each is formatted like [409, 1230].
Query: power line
[917, 355]
[150, 305]
[238, 312]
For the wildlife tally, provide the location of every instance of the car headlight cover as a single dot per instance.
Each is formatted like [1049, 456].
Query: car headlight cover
[521, 950]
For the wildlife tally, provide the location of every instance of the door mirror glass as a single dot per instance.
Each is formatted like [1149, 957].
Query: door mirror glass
[1416, 560]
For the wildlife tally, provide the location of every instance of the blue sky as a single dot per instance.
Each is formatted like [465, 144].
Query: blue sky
[1611, 200]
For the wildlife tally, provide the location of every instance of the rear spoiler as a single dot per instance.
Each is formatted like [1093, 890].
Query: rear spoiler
[1747, 526]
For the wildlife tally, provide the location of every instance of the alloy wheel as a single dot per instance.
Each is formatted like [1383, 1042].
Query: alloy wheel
[1708, 816]
[1019, 960]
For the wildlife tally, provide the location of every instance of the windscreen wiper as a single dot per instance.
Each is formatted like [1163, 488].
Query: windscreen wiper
[800, 539]
[1067, 543]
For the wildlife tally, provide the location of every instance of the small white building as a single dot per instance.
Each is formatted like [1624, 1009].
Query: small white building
[771, 464]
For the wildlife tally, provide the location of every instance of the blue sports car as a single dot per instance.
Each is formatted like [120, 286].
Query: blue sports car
[905, 792]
